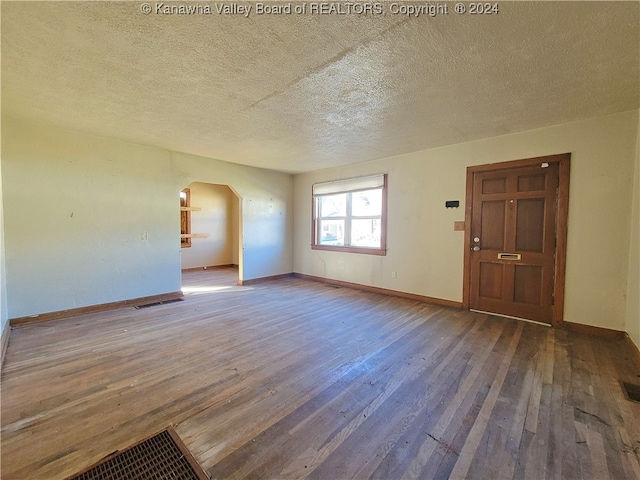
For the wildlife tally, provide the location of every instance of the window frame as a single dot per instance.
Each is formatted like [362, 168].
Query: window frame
[348, 218]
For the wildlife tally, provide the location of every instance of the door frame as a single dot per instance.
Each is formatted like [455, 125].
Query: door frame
[564, 162]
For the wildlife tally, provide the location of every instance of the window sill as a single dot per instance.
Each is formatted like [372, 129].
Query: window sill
[362, 250]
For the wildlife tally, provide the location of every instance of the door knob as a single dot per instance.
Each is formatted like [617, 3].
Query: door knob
[476, 248]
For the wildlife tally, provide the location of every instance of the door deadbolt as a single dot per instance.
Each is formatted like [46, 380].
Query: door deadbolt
[476, 239]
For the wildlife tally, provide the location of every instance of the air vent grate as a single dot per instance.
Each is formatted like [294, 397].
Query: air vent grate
[162, 456]
[154, 304]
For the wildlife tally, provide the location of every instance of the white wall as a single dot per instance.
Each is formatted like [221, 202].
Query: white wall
[428, 255]
[633, 306]
[76, 208]
[215, 218]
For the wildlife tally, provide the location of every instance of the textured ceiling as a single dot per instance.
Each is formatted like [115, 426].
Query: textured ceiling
[309, 91]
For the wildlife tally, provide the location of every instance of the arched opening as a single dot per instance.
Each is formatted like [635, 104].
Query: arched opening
[211, 230]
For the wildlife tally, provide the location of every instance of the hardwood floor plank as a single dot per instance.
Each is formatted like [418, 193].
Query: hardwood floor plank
[537, 414]
[292, 379]
[469, 453]
[398, 463]
[429, 392]
[351, 405]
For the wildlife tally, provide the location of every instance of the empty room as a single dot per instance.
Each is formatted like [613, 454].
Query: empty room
[333, 240]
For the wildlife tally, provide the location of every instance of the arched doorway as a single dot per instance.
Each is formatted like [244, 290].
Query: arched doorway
[211, 228]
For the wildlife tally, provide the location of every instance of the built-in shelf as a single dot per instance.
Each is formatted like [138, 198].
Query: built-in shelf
[194, 235]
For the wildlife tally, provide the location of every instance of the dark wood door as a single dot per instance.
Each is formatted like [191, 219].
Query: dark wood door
[513, 241]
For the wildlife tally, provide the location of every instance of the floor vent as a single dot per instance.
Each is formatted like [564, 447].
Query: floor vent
[155, 304]
[162, 456]
[632, 391]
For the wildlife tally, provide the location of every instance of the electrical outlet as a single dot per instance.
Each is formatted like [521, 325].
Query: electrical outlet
[394, 274]
[144, 236]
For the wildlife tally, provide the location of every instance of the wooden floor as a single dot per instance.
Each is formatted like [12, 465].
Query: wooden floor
[296, 379]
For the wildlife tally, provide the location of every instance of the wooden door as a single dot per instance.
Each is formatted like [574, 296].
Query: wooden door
[513, 239]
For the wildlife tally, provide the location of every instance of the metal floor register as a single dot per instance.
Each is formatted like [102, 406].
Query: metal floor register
[160, 457]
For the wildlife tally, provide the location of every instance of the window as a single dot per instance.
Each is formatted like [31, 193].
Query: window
[350, 215]
[185, 218]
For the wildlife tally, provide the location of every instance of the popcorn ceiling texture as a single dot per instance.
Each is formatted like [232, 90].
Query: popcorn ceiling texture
[304, 92]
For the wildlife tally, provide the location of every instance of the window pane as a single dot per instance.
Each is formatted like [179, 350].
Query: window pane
[333, 205]
[332, 232]
[349, 215]
[366, 233]
[367, 203]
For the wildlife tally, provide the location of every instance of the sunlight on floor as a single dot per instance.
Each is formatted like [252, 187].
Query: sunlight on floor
[213, 289]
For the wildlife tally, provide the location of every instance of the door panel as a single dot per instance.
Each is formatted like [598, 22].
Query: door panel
[490, 280]
[530, 225]
[494, 185]
[527, 284]
[493, 223]
[513, 241]
[531, 183]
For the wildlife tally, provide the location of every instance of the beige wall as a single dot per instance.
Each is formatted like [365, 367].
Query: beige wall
[266, 210]
[215, 218]
[77, 210]
[428, 255]
[633, 305]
